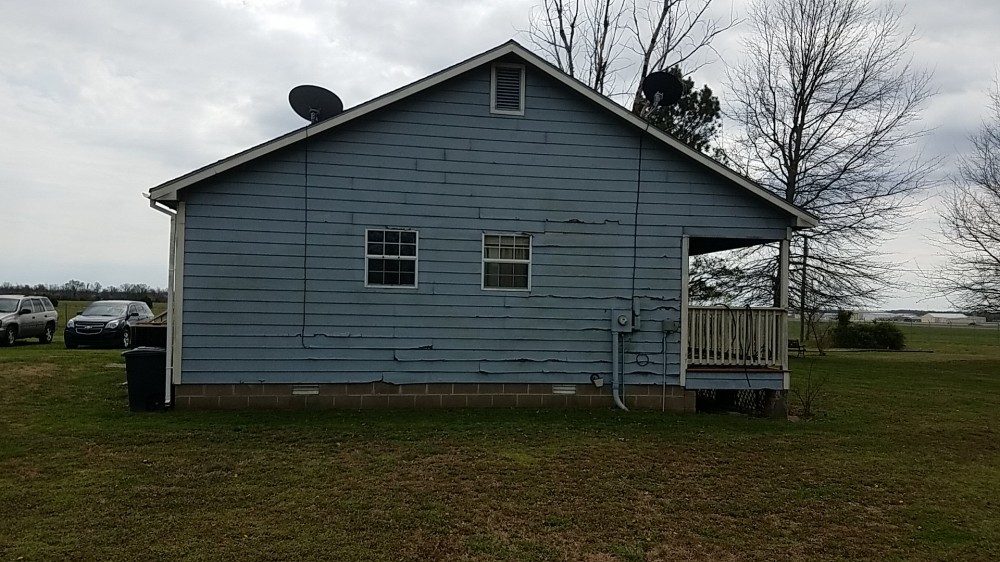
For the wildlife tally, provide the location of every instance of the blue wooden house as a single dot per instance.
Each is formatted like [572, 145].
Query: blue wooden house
[496, 234]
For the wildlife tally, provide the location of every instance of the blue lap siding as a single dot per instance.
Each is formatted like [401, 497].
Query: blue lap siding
[274, 252]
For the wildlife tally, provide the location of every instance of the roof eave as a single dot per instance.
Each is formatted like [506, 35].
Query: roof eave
[803, 219]
[168, 191]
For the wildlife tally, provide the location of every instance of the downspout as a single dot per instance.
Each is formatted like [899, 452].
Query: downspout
[168, 373]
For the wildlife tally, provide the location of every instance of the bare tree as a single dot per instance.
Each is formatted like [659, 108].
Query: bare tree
[826, 102]
[970, 222]
[612, 45]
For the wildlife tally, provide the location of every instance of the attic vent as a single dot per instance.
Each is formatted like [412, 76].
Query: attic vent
[507, 94]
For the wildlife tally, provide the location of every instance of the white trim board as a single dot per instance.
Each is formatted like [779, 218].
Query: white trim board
[167, 192]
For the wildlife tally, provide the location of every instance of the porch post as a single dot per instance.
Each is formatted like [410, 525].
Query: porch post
[685, 250]
[783, 276]
[783, 279]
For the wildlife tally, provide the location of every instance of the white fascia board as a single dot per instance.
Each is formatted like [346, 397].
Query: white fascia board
[168, 191]
[803, 218]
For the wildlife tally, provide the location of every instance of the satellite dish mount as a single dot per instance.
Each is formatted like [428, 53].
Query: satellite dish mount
[661, 89]
[314, 104]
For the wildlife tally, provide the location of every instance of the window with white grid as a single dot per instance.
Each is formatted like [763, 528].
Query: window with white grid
[391, 258]
[507, 261]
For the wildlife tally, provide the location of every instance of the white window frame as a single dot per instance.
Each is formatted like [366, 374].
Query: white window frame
[415, 258]
[493, 89]
[483, 260]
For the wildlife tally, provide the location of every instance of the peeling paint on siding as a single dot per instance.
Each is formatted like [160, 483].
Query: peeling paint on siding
[441, 164]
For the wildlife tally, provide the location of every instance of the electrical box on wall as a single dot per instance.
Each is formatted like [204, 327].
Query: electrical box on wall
[621, 321]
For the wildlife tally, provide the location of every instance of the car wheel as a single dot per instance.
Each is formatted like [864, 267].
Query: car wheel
[48, 334]
[126, 338]
[9, 336]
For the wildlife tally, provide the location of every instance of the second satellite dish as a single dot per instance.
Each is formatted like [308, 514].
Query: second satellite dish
[662, 88]
[313, 103]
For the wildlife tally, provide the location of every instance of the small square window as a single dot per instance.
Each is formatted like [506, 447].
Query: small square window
[507, 261]
[391, 258]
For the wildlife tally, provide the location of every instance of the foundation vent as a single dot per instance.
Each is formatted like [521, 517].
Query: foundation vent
[305, 389]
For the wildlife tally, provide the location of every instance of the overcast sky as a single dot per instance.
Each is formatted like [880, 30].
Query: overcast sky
[102, 100]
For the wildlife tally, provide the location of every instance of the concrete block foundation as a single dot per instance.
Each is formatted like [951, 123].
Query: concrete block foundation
[380, 395]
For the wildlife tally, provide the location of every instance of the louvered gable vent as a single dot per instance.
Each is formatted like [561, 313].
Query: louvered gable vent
[508, 89]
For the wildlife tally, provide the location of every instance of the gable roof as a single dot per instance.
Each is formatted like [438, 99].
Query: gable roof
[168, 191]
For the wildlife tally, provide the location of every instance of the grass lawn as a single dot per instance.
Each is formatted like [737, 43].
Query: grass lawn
[903, 463]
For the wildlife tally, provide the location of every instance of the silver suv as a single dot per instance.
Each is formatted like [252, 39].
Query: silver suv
[26, 317]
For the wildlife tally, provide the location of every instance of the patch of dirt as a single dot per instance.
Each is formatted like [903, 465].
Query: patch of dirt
[31, 371]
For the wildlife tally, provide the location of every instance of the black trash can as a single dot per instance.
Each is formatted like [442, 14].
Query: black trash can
[145, 371]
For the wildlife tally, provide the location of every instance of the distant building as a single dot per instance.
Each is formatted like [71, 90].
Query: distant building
[951, 318]
[873, 316]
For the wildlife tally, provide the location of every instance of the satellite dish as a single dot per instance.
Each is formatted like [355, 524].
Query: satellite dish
[662, 88]
[313, 103]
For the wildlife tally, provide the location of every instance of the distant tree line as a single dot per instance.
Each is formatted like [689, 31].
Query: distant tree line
[75, 290]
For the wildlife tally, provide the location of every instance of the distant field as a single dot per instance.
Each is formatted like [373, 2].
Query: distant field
[972, 339]
[903, 463]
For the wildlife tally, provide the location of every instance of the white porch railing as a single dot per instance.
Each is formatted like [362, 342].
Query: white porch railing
[737, 337]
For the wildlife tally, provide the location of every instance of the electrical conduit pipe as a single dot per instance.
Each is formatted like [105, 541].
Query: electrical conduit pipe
[616, 374]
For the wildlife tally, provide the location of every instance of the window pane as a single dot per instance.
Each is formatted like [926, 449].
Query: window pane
[521, 275]
[375, 236]
[391, 278]
[407, 278]
[391, 249]
[375, 249]
[521, 254]
[375, 276]
[392, 236]
[407, 266]
[407, 249]
[408, 237]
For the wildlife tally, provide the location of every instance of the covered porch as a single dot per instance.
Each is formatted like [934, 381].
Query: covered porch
[735, 348]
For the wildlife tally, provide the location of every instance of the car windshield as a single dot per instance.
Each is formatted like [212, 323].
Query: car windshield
[105, 309]
[8, 305]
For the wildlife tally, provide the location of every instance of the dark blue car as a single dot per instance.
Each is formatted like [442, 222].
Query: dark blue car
[106, 323]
